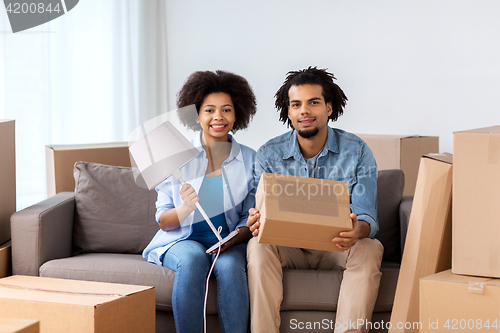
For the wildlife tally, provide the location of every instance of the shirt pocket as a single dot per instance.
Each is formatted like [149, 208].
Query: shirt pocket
[351, 182]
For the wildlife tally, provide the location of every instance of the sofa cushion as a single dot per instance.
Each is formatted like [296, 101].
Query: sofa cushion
[313, 290]
[112, 214]
[122, 268]
[390, 186]
[318, 290]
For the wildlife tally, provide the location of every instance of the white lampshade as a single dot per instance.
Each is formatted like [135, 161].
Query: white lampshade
[161, 152]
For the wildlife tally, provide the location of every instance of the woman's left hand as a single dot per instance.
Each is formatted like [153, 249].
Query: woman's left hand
[243, 236]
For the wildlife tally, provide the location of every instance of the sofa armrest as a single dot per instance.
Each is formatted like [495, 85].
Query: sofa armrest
[42, 232]
[404, 218]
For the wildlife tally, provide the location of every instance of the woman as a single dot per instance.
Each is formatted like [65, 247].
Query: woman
[221, 179]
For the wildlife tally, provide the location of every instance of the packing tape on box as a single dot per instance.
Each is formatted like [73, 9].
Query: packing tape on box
[494, 149]
[315, 199]
[476, 287]
[60, 292]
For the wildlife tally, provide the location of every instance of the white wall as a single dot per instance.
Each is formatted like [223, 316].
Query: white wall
[408, 67]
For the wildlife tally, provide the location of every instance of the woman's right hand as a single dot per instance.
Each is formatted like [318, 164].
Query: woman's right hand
[189, 196]
[253, 221]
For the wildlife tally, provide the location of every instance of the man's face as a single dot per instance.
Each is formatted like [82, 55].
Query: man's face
[307, 110]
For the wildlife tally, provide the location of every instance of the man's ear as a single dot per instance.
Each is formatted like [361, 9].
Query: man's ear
[329, 108]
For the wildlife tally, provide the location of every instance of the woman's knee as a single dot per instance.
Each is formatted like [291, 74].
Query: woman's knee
[232, 261]
[190, 255]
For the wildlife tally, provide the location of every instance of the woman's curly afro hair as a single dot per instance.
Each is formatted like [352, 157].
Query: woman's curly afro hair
[311, 75]
[203, 83]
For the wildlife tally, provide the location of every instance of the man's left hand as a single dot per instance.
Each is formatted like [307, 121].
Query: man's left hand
[347, 239]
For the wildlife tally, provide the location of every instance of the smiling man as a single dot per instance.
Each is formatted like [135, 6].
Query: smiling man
[307, 101]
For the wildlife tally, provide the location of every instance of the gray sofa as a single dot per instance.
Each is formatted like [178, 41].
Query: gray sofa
[98, 232]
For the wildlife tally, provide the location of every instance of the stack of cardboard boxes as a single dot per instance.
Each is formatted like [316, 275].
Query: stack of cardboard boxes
[467, 297]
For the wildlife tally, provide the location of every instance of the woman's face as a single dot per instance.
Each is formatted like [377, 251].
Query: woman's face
[217, 116]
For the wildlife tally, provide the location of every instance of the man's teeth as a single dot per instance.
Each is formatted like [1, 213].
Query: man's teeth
[218, 126]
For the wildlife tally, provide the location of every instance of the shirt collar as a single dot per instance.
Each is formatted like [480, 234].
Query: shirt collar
[235, 147]
[331, 144]
[332, 141]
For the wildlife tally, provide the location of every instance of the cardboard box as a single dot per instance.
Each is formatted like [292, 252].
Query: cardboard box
[401, 152]
[61, 159]
[302, 212]
[451, 302]
[19, 326]
[7, 177]
[428, 239]
[5, 260]
[72, 306]
[476, 196]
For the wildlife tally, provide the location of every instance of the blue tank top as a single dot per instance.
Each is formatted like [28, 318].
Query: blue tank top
[212, 201]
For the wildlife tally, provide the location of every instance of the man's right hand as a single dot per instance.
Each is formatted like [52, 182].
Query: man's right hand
[253, 221]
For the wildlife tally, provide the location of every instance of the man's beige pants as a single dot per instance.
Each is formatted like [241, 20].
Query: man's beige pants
[358, 290]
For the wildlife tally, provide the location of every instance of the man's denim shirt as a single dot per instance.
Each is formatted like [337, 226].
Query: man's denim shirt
[345, 157]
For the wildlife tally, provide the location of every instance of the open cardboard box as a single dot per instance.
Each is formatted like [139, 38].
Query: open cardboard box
[61, 159]
[401, 152]
[72, 306]
[302, 212]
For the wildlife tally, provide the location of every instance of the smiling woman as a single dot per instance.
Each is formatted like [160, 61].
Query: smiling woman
[219, 178]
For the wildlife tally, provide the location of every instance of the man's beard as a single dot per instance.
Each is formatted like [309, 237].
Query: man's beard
[306, 134]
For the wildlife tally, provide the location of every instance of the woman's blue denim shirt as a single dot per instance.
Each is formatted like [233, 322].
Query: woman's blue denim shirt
[345, 157]
[238, 187]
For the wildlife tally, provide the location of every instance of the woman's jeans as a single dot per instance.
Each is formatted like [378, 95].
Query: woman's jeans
[191, 265]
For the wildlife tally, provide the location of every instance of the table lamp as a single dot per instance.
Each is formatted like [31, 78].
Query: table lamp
[160, 154]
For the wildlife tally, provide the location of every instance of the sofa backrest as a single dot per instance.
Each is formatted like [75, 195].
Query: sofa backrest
[390, 186]
[115, 215]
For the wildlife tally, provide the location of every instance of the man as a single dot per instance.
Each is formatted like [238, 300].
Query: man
[307, 101]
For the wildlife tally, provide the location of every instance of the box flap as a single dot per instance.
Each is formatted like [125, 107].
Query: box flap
[442, 157]
[88, 146]
[12, 325]
[387, 136]
[448, 276]
[64, 290]
[298, 196]
[491, 129]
